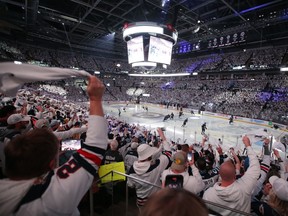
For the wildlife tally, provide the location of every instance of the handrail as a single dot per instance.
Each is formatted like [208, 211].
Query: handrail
[146, 182]
[123, 174]
[128, 176]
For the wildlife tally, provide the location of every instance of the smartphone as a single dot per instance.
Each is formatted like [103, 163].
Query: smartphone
[229, 154]
[174, 181]
[72, 144]
[189, 156]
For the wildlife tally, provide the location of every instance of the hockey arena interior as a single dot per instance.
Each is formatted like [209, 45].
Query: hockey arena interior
[144, 107]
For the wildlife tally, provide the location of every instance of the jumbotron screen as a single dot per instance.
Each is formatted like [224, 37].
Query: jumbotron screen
[160, 50]
[135, 50]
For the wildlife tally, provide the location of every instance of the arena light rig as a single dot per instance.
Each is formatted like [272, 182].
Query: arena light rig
[149, 43]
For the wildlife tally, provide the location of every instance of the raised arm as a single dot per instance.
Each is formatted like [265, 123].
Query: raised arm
[249, 179]
[75, 176]
[95, 144]
[95, 91]
[265, 166]
[166, 145]
[237, 161]
[281, 163]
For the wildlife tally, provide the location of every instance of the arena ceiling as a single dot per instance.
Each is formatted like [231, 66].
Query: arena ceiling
[96, 25]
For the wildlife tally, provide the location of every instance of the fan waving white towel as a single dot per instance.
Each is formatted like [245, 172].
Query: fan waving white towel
[13, 76]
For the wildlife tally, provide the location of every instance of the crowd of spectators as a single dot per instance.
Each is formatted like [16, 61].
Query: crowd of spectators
[227, 178]
[57, 58]
[262, 58]
[258, 97]
[265, 58]
[215, 93]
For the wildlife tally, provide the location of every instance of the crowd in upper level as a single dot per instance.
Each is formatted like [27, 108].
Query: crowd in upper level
[262, 58]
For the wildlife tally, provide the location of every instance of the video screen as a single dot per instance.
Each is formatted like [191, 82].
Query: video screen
[160, 50]
[67, 145]
[135, 50]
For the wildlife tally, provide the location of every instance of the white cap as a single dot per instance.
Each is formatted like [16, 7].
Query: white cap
[15, 118]
[145, 151]
[280, 187]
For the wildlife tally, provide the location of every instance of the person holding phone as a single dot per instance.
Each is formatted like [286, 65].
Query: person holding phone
[179, 166]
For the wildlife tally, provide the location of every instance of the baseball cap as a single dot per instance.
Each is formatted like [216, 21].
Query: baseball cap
[179, 161]
[279, 187]
[15, 118]
[145, 151]
[42, 123]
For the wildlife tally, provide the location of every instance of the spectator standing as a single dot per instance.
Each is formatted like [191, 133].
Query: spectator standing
[149, 170]
[17, 124]
[192, 183]
[234, 193]
[112, 155]
[131, 156]
[31, 167]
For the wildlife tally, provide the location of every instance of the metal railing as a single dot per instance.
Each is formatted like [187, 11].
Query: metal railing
[149, 183]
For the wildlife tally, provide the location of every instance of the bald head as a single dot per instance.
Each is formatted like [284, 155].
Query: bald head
[227, 172]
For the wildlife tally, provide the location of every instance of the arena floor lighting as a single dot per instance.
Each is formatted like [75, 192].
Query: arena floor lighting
[284, 69]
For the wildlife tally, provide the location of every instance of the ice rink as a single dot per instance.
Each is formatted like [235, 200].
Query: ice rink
[217, 127]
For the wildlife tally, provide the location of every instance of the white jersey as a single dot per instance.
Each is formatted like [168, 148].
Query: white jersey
[60, 190]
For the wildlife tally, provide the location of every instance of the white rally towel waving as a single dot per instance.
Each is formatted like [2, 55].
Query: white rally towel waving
[13, 76]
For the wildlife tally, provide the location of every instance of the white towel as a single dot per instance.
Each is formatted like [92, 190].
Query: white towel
[13, 76]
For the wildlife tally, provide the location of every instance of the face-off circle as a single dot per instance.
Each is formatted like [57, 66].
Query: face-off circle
[148, 115]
